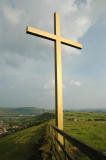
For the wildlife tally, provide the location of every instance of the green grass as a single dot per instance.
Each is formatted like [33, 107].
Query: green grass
[89, 128]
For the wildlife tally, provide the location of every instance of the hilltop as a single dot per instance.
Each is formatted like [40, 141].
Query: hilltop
[28, 143]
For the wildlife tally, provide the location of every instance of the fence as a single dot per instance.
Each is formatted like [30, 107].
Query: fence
[61, 151]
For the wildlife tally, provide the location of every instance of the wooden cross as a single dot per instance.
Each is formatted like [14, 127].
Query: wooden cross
[58, 66]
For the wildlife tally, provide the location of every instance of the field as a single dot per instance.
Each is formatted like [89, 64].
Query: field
[89, 127]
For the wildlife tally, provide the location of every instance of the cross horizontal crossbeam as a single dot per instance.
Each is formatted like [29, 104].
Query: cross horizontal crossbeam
[53, 37]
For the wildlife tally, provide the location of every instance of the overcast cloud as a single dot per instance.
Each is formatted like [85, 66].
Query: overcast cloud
[27, 62]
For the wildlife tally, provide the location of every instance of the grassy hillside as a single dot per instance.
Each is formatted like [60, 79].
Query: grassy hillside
[21, 145]
[21, 111]
[25, 144]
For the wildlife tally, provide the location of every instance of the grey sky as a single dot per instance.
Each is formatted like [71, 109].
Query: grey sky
[27, 62]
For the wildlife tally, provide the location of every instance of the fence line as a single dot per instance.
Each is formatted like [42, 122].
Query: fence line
[92, 153]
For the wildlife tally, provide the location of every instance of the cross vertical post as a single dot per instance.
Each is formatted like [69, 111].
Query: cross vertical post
[58, 77]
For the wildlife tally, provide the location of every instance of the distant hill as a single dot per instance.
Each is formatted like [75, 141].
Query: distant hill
[21, 111]
[94, 110]
[87, 109]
